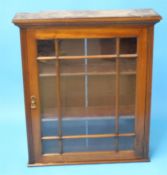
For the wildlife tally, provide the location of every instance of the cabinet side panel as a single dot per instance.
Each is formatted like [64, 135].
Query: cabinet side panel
[23, 37]
[150, 35]
[141, 91]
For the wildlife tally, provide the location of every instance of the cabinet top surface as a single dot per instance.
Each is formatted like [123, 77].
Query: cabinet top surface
[45, 17]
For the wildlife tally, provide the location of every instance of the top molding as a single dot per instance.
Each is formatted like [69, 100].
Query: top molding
[66, 17]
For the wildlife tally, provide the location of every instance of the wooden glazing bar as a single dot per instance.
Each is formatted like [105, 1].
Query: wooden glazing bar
[88, 136]
[47, 75]
[89, 57]
[58, 93]
[75, 57]
[128, 55]
[128, 73]
[117, 95]
[47, 58]
[91, 73]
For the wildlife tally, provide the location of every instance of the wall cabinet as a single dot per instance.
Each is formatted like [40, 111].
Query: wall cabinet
[87, 82]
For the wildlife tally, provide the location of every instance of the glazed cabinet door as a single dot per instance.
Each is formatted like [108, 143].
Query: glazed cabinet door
[87, 94]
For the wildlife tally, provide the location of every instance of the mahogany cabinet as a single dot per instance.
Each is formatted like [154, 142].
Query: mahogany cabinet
[87, 84]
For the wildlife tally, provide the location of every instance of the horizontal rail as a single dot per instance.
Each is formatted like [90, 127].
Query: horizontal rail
[91, 73]
[127, 56]
[46, 58]
[88, 136]
[87, 56]
[84, 57]
[88, 153]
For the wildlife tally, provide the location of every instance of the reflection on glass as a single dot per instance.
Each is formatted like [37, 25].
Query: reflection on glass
[45, 48]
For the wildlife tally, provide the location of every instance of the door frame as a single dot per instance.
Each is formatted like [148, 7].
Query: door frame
[31, 88]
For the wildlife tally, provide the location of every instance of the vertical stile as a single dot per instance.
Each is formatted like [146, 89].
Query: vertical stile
[58, 96]
[117, 95]
[86, 85]
[86, 71]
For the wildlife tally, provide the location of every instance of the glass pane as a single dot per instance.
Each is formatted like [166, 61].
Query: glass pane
[49, 127]
[48, 97]
[72, 92]
[101, 125]
[88, 125]
[127, 65]
[128, 45]
[48, 104]
[127, 95]
[89, 144]
[101, 66]
[72, 96]
[102, 46]
[74, 145]
[45, 47]
[101, 88]
[101, 95]
[126, 124]
[47, 89]
[126, 143]
[48, 101]
[101, 144]
[72, 67]
[71, 47]
[47, 68]
[74, 126]
[50, 146]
